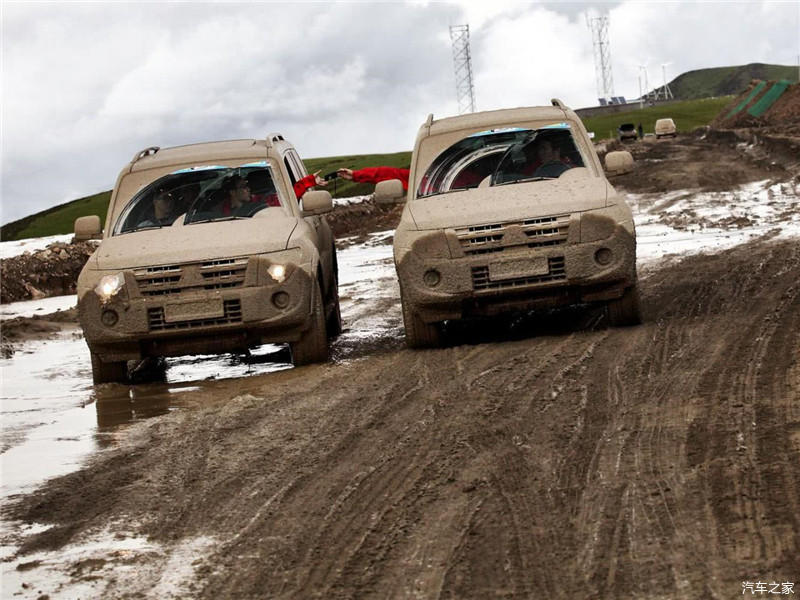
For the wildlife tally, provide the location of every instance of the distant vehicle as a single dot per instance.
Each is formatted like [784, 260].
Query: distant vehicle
[235, 262]
[509, 210]
[627, 132]
[665, 127]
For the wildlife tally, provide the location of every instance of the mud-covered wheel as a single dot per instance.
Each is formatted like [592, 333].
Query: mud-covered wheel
[334, 323]
[625, 310]
[312, 347]
[420, 334]
[108, 372]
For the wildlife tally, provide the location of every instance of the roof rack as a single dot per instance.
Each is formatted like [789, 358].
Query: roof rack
[146, 152]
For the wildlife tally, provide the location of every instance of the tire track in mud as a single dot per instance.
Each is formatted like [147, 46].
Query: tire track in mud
[601, 464]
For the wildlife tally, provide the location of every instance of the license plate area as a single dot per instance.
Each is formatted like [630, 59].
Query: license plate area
[519, 267]
[188, 310]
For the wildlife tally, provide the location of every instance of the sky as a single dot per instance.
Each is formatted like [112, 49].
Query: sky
[85, 86]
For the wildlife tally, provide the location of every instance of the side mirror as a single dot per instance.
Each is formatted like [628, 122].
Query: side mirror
[317, 202]
[389, 192]
[619, 162]
[88, 228]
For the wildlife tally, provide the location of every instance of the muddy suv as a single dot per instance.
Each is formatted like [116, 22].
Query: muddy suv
[665, 127]
[627, 132]
[207, 250]
[509, 210]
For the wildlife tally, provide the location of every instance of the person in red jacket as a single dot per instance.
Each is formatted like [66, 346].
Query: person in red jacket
[307, 182]
[376, 175]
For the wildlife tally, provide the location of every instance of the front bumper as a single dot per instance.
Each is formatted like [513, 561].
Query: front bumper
[519, 278]
[197, 321]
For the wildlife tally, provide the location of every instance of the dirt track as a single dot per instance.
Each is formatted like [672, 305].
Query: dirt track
[552, 458]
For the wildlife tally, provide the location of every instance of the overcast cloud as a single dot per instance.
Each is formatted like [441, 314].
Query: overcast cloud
[85, 86]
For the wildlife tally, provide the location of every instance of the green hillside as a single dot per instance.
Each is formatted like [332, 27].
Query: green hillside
[56, 220]
[725, 81]
[687, 115]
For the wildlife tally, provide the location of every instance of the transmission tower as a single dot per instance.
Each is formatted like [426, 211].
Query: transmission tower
[602, 56]
[462, 61]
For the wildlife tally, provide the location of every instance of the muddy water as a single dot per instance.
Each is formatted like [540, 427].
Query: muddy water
[53, 417]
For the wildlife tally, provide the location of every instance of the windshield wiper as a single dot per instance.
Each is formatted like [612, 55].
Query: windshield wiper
[218, 219]
[540, 178]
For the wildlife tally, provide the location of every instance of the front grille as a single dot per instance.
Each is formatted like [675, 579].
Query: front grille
[490, 238]
[188, 277]
[481, 281]
[232, 314]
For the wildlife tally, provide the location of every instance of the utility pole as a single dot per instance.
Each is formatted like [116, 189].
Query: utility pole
[462, 62]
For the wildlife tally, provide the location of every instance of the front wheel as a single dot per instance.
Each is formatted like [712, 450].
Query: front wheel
[312, 346]
[625, 310]
[335, 318]
[108, 372]
[420, 334]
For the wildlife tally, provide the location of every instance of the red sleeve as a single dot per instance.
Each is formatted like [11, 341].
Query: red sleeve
[378, 174]
[302, 186]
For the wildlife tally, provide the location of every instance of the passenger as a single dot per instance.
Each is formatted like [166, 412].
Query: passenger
[544, 158]
[236, 197]
[163, 212]
[307, 182]
[376, 175]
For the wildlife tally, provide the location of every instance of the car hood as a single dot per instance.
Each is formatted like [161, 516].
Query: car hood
[509, 202]
[197, 242]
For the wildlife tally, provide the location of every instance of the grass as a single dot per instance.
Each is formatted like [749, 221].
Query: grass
[720, 81]
[687, 115]
[60, 219]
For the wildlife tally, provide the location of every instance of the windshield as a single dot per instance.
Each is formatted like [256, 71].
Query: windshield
[200, 194]
[501, 156]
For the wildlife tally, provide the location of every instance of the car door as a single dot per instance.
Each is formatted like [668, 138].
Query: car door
[324, 235]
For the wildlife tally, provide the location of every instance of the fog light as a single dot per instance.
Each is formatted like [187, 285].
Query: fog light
[432, 278]
[603, 256]
[109, 318]
[280, 299]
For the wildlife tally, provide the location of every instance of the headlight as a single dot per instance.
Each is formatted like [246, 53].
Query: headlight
[109, 286]
[431, 244]
[277, 272]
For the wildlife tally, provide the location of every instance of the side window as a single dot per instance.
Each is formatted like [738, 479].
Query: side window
[290, 169]
[299, 166]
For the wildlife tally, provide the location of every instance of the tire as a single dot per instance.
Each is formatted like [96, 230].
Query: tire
[108, 372]
[334, 324]
[312, 347]
[625, 310]
[420, 334]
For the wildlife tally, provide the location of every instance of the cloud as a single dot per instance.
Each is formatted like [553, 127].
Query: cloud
[86, 85]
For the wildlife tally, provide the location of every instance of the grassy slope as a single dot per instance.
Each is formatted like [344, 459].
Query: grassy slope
[60, 219]
[687, 115]
[723, 81]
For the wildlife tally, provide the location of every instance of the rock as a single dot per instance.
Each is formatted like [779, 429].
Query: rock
[36, 294]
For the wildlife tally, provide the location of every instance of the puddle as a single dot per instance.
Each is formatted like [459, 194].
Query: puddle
[105, 565]
[53, 417]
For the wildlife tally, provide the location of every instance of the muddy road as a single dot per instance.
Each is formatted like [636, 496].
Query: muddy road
[545, 457]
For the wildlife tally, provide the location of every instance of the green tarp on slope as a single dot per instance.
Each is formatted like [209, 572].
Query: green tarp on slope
[746, 101]
[768, 99]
